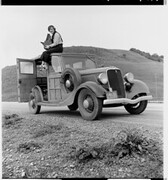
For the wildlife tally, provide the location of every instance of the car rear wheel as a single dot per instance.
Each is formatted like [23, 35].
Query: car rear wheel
[34, 98]
[90, 106]
[138, 107]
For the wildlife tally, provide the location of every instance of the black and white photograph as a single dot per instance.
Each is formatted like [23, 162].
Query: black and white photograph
[83, 91]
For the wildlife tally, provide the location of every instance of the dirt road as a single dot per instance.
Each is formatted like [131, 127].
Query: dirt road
[152, 116]
[112, 119]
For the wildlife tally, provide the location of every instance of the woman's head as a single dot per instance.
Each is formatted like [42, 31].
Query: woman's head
[51, 29]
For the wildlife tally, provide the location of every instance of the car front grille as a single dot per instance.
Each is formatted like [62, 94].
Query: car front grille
[116, 82]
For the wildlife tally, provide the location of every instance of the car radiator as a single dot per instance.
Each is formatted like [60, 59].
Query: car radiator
[115, 82]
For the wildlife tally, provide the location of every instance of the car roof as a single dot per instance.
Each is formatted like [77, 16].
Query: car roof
[74, 54]
[80, 55]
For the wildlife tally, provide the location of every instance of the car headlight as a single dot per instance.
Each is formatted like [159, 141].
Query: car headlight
[129, 77]
[102, 78]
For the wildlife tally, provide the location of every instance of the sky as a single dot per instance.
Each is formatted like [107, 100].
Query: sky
[112, 27]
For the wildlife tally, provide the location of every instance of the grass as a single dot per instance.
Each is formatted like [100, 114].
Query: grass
[37, 149]
[47, 129]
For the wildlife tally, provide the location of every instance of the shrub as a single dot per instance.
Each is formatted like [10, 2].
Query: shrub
[154, 57]
[126, 142]
[10, 120]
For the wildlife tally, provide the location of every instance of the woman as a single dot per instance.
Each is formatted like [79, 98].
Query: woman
[56, 45]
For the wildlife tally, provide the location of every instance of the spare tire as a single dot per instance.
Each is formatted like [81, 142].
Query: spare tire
[71, 79]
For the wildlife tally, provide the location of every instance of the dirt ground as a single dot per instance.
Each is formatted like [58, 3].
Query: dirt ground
[51, 145]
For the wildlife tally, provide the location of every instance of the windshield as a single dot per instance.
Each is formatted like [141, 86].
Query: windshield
[79, 62]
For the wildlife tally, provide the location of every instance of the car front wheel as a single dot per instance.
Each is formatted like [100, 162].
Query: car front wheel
[90, 106]
[136, 108]
[34, 98]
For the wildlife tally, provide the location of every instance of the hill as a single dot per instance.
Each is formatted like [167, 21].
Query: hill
[9, 83]
[151, 72]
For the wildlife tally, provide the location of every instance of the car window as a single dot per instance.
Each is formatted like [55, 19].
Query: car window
[56, 64]
[89, 64]
[67, 65]
[79, 63]
[26, 67]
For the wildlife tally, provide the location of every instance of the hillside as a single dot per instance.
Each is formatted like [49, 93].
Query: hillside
[9, 83]
[151, 72]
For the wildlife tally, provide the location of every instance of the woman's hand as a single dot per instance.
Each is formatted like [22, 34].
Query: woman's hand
[47, 47]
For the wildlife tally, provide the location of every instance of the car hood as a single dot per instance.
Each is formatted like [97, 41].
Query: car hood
[96, 70]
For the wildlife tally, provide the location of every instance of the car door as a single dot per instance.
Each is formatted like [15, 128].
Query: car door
[26, 78]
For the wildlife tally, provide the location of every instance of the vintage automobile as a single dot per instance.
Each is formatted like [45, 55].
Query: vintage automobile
[75, 81]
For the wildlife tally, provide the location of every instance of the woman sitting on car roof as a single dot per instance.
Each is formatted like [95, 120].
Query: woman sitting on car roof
[54, 46]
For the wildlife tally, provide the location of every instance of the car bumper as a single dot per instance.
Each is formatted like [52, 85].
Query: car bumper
[126, 100]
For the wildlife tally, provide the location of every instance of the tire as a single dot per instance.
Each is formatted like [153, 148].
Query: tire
[34, 98]
[90, 106]
[73, 107]
[71, 79]
[137, 108]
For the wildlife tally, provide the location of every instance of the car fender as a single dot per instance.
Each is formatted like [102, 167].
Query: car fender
[40, 91]
[138, 87]
[93, 86]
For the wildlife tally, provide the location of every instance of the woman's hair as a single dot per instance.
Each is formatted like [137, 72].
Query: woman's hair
[51, 26]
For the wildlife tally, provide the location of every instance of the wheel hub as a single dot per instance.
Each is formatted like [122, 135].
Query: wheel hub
[68, 83]
[88, 104]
